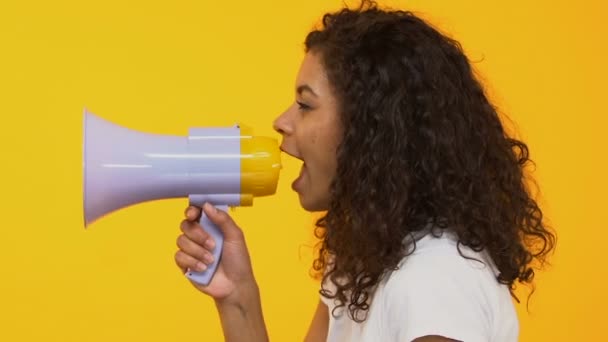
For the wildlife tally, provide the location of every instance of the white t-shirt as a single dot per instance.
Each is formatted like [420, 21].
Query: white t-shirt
[435, 292]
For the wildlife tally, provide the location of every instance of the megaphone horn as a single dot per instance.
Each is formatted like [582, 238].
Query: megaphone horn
[226, 166]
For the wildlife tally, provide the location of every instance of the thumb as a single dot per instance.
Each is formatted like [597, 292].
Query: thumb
[231, 231]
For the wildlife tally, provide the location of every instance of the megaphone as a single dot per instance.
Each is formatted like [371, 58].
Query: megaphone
[226, 166]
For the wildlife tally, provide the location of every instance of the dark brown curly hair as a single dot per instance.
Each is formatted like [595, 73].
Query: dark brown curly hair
[422, 143]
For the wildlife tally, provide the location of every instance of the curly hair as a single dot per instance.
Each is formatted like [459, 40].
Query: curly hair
[422, 143]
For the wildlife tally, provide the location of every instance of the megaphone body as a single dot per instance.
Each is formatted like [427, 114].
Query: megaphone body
[226, 166]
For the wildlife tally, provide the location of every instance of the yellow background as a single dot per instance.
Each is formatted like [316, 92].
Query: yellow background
[165, 66]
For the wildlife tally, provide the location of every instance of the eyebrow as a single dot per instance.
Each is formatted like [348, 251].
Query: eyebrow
[305, 87]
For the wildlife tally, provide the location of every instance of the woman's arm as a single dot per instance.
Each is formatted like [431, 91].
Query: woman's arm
[243, 320]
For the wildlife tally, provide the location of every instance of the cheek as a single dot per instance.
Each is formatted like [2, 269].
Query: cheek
[319, 145]
[311, 145]
[328, 159]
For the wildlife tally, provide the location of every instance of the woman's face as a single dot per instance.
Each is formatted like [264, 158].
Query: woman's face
[311, 131]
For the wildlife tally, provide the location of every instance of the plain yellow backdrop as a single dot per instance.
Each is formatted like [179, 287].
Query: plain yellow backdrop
[166, 66]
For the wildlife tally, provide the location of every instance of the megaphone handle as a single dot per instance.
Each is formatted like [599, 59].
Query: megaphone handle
[204, 278]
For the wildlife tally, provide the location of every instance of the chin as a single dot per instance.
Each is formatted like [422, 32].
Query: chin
[312, 204]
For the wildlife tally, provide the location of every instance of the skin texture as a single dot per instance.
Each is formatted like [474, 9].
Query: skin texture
[311, 131]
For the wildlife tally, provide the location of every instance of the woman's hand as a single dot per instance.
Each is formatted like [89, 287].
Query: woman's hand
[234, 274]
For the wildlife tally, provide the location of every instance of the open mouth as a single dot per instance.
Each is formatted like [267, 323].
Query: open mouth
[297, 183]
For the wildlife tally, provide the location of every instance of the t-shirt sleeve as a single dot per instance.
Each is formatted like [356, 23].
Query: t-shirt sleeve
[438, 295]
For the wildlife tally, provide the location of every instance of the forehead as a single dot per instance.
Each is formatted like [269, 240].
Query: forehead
[312, 73]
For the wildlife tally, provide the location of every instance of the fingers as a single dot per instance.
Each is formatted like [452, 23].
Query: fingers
[192, 254]
[194, 232]
[195, 244]
[185, 262]
[192, 213]
[221, 218]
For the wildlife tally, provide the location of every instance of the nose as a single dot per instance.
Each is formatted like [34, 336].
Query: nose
[283, 124]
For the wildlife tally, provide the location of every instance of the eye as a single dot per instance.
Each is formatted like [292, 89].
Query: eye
[303, 106]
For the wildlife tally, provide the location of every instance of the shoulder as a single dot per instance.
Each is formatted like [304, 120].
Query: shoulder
[443, 257]
[444, 289]
[441, 266]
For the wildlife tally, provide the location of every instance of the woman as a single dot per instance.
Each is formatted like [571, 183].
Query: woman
[429, 222]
